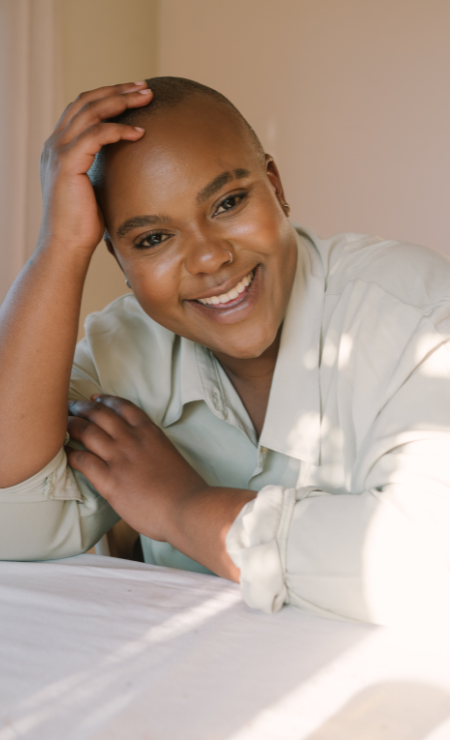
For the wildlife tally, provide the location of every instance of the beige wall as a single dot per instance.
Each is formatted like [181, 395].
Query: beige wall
[30, 94]
[104, 42]
[351, 97]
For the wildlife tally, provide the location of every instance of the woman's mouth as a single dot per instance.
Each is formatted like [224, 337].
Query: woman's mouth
[233, 306]
[233, 297]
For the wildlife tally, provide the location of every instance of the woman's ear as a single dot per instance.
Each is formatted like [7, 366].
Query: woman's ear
[110, 248]
[275, 179]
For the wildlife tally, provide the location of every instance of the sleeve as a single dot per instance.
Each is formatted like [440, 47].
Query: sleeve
[56, 513]
[380, 554]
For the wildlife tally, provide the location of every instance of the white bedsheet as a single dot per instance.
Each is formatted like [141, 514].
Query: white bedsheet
[103, 649]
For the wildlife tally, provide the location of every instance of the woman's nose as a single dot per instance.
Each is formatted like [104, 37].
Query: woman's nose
[207, 254]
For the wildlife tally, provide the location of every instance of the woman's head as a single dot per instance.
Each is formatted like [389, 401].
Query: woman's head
[194, 210]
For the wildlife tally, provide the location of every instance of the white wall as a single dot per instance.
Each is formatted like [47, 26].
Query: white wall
[351, 97]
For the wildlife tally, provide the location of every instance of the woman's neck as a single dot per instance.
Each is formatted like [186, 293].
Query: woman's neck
[252, 379]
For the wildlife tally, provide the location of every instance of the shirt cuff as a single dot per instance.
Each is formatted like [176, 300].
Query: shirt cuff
[55, 481]
[256, 543]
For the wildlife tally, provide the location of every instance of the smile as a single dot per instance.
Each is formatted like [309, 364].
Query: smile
[225, 299]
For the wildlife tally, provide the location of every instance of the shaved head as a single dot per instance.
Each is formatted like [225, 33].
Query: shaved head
[169, 93]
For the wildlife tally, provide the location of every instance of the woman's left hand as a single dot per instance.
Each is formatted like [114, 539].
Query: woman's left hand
[131, 463]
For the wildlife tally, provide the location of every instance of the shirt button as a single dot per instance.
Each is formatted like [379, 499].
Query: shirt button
[263, 450]
[216, 402]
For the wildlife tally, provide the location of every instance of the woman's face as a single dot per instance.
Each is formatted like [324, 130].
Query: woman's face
[197, 224]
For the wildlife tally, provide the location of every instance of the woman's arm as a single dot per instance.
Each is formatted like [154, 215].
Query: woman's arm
[39, 317]
[381, 556]
[137, 469]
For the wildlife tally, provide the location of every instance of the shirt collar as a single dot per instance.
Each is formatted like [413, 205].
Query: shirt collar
[195, 378]
[293, 419]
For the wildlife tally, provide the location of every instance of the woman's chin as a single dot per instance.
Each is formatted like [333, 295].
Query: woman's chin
[248, 350]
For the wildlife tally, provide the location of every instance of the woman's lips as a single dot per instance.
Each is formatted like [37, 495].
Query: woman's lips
[237, 308]
[232, 296]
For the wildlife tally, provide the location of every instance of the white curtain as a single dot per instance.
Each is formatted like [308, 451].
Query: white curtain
[30, 102]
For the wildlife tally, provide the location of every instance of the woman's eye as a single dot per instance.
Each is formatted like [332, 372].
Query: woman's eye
[230, 202]
[152, 240]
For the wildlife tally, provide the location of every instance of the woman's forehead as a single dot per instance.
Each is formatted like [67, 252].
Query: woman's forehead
[182, 151]
[190, 130]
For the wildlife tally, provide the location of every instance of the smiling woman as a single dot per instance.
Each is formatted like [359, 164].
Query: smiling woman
[260, 407]
[215, 205]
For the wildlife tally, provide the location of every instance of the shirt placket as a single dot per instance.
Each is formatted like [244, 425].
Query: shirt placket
[216, 399]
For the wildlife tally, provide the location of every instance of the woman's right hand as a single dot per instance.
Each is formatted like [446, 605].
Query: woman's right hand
[71, 215]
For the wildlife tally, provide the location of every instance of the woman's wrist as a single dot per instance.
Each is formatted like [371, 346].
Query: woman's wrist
[199, 521]
[62, 252]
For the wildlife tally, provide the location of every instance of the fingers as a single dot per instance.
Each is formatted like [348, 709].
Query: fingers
[91, 436]
[97, 110]
[111, 414]
[94, 414]
[126, 410]
[101, 92]
[78, 156]
[94, 469]
[81, 132]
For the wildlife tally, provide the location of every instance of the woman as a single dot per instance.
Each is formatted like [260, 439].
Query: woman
[267, 406]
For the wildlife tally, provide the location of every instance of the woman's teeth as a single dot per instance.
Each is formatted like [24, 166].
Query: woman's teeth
[215, 300]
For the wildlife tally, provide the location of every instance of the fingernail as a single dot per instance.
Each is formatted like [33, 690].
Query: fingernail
[138, 128]
[141, 82]
[145, 92]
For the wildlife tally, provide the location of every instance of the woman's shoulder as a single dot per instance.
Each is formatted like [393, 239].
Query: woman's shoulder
[414, 274]
[127, 353]
[123, 324]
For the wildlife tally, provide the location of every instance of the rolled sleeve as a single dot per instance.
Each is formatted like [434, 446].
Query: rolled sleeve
[382, 556]
[56, 513]
[55, 481]
[257, 542]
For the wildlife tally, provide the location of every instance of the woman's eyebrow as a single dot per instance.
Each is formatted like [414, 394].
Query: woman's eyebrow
[215, 185]
[212, 187]
[136, 221]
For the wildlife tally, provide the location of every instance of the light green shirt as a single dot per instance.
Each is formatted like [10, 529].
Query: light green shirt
[352, 466]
